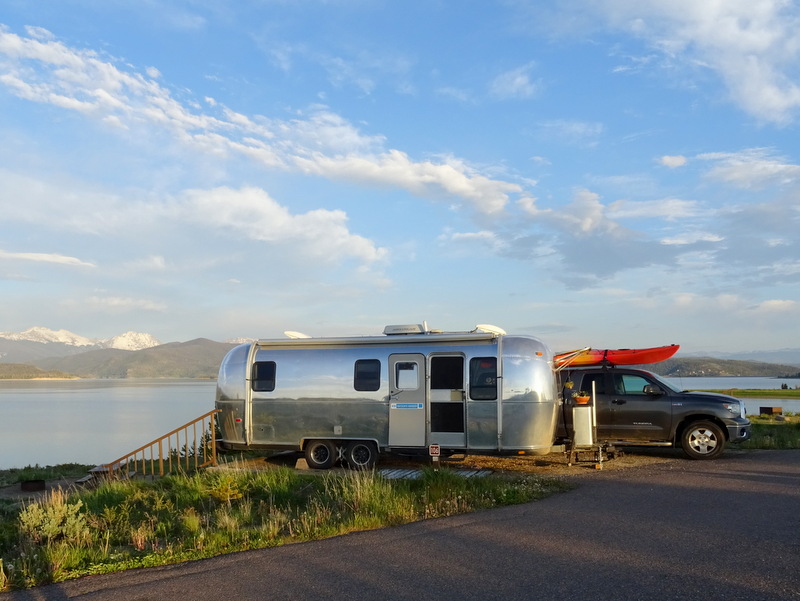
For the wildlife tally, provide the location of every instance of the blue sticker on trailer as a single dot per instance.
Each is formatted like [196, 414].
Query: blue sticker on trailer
[406, 405]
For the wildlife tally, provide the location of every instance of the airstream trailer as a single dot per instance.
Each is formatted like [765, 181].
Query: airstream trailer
[408, 391]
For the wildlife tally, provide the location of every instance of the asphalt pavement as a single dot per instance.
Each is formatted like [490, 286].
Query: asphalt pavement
[725, 529]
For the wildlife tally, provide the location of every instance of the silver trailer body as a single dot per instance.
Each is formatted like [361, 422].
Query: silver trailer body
[477, 392]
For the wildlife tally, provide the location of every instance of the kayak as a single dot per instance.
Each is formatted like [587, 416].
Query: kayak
[624, 356]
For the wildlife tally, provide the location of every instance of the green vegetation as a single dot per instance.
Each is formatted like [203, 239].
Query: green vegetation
[126, 524]
[50, 472]
[777, 393]
[712, 367]
[768, 433]
[23, 371]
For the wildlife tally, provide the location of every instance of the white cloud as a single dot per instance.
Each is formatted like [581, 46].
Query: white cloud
[751, 44]
[153, 263]
[458, 94]
[580, 133]
[515, 83]
[672, 161]
[115, 304]
[668, 208]
[484, 238]
[45, 258]
[320, 233]
[777, 306]
[321, 143]
[692, 238]
[450, 177]
[587, 215]
[754, 168]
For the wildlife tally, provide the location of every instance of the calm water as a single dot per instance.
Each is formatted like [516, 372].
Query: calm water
[752, 405]
[96, 421]
[92, 421]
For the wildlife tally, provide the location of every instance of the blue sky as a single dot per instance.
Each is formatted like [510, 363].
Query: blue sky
[603, 173]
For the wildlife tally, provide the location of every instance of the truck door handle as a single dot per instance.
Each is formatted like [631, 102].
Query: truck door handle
[619, 401]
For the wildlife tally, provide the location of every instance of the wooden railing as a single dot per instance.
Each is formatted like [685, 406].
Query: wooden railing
[188, 448]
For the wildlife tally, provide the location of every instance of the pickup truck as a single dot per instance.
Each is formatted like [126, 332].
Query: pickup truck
[637, 408]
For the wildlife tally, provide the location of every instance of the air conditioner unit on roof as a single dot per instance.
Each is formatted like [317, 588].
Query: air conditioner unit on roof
[414, 328]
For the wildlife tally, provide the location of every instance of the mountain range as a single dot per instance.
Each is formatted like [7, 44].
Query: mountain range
[139, 355]
[128, 355]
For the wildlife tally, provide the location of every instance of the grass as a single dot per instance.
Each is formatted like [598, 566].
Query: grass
[36, 472]
[776, 393]
[127, 524]
[774, 432]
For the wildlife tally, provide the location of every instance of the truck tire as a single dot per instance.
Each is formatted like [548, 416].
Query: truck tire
[361, 455]
[320, 454]
[702, 440]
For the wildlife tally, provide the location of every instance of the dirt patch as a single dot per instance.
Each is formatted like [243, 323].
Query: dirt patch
[14, 492]
[554, 464]
[557, 464]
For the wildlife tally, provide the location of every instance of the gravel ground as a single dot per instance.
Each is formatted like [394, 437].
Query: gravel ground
[555, 465]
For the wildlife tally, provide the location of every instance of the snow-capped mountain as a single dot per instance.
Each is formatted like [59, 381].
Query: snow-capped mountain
[129, 341]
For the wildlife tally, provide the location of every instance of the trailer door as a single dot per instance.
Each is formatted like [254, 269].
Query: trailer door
[447, 400]
[406, 400]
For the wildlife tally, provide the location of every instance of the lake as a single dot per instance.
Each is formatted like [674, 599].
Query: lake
[47, 422]
[752, 405]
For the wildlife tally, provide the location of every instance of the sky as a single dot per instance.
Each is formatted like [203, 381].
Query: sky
[605, 173]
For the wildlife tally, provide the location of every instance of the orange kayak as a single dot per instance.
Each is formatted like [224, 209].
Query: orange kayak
[625, 356]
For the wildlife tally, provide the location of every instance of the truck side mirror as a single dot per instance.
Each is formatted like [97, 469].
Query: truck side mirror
[653, 390]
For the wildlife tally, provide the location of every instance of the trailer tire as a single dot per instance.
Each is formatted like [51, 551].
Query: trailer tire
[320, 454]
[361, 455]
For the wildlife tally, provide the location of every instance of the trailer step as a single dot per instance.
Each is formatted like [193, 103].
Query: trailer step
[414, 473]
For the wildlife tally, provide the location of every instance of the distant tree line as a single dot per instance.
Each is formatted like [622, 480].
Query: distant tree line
[23, 371]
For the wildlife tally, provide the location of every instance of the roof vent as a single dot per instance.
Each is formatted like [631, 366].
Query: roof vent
[490, 329]
[414, 328]
[295, 335]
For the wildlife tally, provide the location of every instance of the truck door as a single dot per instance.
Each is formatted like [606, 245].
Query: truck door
[407, 400]
[637, 415]
[447, 401]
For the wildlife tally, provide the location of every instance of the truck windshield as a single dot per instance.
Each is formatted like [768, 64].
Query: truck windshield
[668, 385]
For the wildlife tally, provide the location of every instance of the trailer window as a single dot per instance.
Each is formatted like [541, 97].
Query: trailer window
[447, 373]
[263, 376]
[407, 375]
[483, 378]
[367, 375]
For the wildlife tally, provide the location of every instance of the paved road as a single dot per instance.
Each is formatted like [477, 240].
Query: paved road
[725, 529]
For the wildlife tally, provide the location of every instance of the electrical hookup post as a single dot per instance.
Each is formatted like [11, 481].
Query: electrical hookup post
[435, 451]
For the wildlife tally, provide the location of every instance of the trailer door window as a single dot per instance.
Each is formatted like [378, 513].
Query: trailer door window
[483, 378]
[407, 375]
[367, 375]
[263, 376]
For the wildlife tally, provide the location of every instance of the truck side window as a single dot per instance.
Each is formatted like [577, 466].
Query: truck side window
[367, 375]
[263, 376]
[630, 384]
[599, 383]
[483, 378]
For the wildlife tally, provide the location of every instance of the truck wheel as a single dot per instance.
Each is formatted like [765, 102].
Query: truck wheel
[703, 440]
[361, 455]
[320, 454]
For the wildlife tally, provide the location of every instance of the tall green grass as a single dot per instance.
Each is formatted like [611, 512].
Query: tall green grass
[123, 524]
[772, 435]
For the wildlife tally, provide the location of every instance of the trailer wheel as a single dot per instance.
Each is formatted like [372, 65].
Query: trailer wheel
[361, 455]
[320, 454]
[703, 440]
